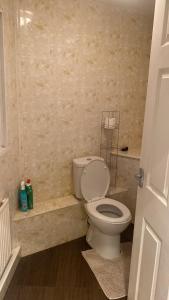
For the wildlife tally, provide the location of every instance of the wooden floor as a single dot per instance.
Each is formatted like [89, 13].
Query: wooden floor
[58, 273]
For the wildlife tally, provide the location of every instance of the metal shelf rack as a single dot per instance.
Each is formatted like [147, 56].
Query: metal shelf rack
[110, 124]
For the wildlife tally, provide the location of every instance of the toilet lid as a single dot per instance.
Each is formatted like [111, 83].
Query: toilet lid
[95, 180]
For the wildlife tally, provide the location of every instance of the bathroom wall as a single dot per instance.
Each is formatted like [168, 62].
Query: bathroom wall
[127, 168]
[75, 59]
[9, 165]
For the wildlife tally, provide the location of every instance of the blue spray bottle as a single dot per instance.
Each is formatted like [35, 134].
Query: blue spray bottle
[23, 201]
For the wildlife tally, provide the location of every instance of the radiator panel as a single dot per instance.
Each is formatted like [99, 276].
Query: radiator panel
[5, 235]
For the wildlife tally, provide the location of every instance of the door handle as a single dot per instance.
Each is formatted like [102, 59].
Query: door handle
[140, 177]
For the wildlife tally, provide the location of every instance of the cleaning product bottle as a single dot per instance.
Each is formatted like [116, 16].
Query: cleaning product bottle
[23, 204]
[29, 192]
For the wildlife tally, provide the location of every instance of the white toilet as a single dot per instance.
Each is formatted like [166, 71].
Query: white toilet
[107, 217]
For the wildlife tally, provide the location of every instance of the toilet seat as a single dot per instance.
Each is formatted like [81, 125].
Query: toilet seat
[121, 212]
[95, 180]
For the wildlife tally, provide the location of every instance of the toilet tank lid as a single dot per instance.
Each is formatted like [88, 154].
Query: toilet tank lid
[84, 161]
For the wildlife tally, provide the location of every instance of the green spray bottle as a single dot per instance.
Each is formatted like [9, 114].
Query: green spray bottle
[29, 192]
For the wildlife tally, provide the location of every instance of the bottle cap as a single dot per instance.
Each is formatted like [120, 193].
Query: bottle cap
[28, 181]
[22, 185]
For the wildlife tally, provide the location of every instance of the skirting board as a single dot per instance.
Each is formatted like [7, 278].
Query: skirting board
[9, 272]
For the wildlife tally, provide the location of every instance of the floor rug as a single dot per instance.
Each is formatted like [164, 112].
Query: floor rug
[112, 275]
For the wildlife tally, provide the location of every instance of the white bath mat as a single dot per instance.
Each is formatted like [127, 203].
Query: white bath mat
[112, 275]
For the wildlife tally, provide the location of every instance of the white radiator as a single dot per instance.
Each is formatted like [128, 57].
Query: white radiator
[5, 235]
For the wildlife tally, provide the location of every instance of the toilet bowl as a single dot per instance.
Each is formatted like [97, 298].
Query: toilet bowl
[107, 217]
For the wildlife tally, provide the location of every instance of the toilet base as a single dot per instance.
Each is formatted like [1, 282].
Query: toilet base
[106, 246]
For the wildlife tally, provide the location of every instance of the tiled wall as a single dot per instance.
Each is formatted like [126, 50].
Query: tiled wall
[127, 169]
[76, 58]
[61, 221]
[9, 156]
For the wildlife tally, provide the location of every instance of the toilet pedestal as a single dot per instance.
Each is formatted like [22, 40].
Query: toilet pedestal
[105, 245]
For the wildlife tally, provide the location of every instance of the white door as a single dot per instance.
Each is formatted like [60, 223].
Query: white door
[149, 275]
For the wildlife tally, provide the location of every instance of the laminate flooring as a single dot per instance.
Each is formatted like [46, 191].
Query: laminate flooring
[58, 273]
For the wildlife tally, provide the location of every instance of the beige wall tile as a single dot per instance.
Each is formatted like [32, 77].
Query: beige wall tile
[75, 59]
[54, 227]
[9, 158]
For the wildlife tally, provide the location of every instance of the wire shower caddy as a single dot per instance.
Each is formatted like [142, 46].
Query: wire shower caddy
[109, 144]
